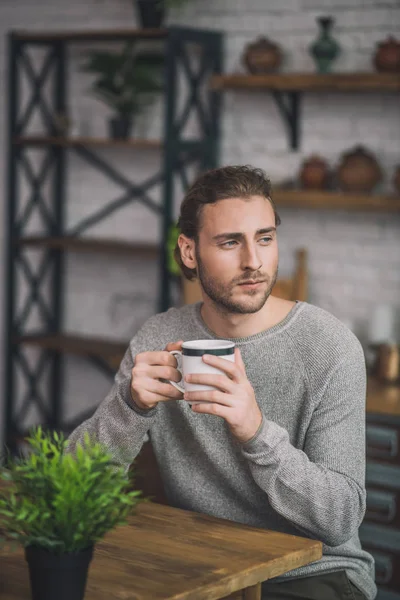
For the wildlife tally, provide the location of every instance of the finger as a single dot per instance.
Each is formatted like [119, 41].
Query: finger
[208, 408]
[222, 364]
[161, 357]
[222, 382]
[213, 396]
[165, 390]
[174, 346]
[168, 373]
[152, 398]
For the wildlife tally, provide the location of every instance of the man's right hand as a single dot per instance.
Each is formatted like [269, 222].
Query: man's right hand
[147, 389]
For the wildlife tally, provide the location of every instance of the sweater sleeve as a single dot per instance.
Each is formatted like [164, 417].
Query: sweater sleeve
[320, 489]
[118, 423]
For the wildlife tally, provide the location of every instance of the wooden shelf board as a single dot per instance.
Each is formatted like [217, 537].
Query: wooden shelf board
[78, 244]
[340, 82]
[383, 398]
[37, 140]
[76, 344]
[322, 199]
[89, 35]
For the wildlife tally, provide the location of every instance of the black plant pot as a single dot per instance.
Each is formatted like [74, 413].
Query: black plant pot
[120, 127]
[151, 13]
[61, 577]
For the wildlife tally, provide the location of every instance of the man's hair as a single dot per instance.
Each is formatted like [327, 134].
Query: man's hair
[212, 186]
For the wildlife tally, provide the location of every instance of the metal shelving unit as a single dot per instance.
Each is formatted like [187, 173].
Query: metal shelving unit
[178, 153]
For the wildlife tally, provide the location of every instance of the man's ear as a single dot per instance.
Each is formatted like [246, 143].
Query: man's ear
[188, 251]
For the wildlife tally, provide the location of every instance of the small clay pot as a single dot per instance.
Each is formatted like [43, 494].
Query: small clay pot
[387, 56]
[314, 173]
[262, 56]
[358, 171]
[396, 179]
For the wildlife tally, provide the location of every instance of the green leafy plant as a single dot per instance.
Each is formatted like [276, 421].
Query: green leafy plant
[60, 501]
[125, 81]
[173, 234]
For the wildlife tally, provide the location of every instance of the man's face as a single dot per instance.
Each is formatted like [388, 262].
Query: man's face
[237, 253]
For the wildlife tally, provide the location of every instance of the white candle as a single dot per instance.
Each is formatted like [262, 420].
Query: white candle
[381, 328]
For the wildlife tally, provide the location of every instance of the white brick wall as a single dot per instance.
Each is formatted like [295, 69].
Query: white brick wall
[354, 258]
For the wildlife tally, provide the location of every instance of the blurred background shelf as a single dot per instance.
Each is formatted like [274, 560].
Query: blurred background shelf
[86, 141]
[321, 199]
[111, 351]
[308, 82]
[88, 35]
[79, 244]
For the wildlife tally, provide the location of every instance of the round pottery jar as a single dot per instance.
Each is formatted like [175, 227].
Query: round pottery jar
[358, 171]
[387, 56]
[396, 179]
[314, 173]
[262, 56]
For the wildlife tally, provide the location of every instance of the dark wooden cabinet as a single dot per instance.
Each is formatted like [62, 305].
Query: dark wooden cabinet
[383, 506]
[383, 442]
[380, 531]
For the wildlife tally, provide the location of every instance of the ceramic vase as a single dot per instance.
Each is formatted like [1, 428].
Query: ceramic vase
[387, 56]
[314, 173]
[358, 171]
[325, 49]
[262, 56]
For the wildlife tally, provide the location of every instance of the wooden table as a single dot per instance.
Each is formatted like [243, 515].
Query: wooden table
[166, 553]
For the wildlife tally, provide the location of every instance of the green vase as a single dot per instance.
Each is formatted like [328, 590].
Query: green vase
[325, 49]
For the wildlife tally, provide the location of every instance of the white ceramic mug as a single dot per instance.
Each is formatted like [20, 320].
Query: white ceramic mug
[190, 360]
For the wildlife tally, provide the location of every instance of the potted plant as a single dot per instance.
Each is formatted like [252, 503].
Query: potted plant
[173, 234]
[126, 81]
[57, 505]
[152, 12]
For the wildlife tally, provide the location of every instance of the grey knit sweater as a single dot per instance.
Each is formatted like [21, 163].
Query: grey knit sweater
[303, 473]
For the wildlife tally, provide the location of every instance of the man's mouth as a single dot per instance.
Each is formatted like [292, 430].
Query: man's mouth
[252, 282]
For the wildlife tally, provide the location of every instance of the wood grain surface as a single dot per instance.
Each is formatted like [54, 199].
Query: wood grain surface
[40, 140]
[89, 34]
[336, 200]
[166, 553]
[340, 82]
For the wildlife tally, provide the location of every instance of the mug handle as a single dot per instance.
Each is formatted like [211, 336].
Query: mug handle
[177, 353]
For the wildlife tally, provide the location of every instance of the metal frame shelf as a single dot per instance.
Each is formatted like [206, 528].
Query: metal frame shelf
[54, 239]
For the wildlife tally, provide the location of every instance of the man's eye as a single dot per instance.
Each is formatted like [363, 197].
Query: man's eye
[266, 240]
[229, 244]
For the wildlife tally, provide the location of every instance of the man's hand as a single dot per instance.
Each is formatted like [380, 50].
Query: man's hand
[147, 389]
[234, 399]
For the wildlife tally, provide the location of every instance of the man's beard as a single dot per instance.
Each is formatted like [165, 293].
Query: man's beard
[220, 294]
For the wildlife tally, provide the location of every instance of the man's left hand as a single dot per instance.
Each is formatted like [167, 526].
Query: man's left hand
[233, 400]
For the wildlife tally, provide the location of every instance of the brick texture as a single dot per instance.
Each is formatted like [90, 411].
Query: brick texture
[354, 259]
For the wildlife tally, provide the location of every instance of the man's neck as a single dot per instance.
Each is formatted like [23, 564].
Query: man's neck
[229, 325]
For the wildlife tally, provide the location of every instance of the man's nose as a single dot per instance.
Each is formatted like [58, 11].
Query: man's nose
[251, 260]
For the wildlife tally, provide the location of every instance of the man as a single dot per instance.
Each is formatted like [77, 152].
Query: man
[280, 443]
